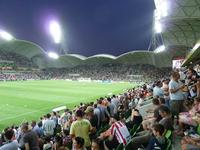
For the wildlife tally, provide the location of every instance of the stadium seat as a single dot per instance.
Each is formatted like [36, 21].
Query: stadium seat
[168, 134]
[120, 147]
[169, 144]
[198, 129]
[102, 129]
[128, 146]
[69, 145]
[133, 130]
[127, 114]
[136, 130]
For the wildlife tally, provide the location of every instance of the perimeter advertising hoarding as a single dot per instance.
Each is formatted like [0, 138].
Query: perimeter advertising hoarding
[177, 62]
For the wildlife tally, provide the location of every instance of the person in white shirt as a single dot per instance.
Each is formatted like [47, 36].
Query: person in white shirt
[115, 101]
[141, 100]
[157, 90]
[176, 94]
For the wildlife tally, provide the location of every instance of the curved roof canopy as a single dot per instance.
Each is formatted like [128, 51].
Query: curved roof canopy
[39, 57]
[22, 47]
[194, 55]
[182, 25]
[181, 30]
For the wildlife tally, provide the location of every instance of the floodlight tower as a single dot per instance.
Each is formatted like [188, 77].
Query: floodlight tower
[160, 12]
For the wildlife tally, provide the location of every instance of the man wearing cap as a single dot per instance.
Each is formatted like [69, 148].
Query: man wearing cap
[92, 117]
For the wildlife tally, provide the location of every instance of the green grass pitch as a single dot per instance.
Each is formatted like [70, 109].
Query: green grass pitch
[27, 100]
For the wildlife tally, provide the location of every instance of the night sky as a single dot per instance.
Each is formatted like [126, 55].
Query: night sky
[89, 26]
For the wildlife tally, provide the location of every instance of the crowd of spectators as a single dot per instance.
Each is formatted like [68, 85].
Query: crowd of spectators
[116, 72]
[17, 59]
[109, 121]
[11, 61]
[107, 72]
[16, 76]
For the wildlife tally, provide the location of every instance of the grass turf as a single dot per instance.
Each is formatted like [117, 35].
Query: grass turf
[27, 100]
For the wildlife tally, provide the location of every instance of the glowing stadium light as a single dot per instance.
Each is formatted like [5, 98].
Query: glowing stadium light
[164, 8]
[161, 8]
[160, 49]
[158, 26]
[6, 36]
[53, 55]
[55, 31]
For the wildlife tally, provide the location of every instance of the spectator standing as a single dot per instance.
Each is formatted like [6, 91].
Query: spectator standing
[92, 117]
[176, 95]
[98, 114]
[157, 90]
[49, 126]
[81, 128]
[30, 138]
[111, 106]
[36, 128]
[115, 101]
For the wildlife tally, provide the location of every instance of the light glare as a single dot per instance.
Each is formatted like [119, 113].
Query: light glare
[158, 27]
[55, 31]
[196, 46]
[6, 36]
[53, 55]
[160, 49]
[161, 8]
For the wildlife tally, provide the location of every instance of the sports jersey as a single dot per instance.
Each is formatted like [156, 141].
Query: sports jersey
[120, 131]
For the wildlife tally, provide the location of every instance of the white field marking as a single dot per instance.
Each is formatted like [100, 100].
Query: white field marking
[23, 114]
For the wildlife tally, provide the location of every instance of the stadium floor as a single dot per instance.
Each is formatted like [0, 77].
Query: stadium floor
[26, 100]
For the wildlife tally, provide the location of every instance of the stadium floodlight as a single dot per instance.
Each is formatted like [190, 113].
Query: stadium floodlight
[160, 49]
[162, 8]
[158, 26]
[55, 31]
[6, 36]
[53, 55]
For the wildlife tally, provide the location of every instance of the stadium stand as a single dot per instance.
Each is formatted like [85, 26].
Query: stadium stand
[152, 116]
[138, 118]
